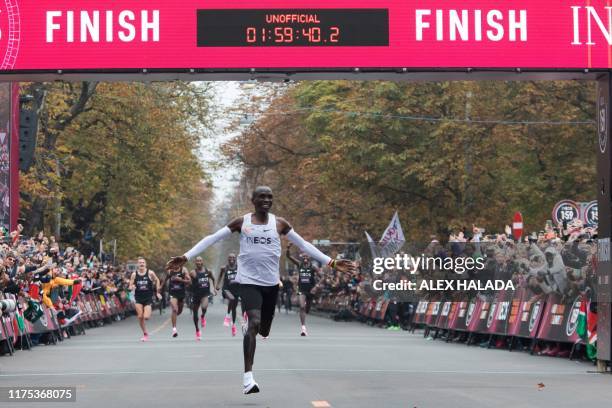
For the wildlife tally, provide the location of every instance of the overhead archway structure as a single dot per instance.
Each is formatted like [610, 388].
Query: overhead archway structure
[403, 40]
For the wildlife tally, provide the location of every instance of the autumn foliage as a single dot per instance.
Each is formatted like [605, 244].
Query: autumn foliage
[342, 156]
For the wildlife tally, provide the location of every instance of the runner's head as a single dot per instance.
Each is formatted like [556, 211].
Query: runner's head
[142, 263]
[262, 199]
[305, 259]
[231, 259]
[199, 262]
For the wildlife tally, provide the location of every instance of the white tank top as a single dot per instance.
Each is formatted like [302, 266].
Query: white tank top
[260, 251]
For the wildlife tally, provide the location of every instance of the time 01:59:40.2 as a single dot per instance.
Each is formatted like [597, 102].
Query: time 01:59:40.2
[288, 35]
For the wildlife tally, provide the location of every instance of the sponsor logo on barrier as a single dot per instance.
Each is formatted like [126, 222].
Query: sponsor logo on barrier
[446, 308]
[491, 314]
[470, 313]
[504, 308]
[436, 308]
[557, 311]
[572, 321]
[43, 320]
[535, 312]
[484, 310]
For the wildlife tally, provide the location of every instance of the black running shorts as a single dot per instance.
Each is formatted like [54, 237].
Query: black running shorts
[259, 297]
[179, 295]
[144, 300]
[233, 289]
[199, 294]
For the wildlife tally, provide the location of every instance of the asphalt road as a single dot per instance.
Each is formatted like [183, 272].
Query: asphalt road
[338, 365]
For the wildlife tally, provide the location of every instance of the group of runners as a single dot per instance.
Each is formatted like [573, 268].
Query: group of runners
[252, 277]
[201, 284]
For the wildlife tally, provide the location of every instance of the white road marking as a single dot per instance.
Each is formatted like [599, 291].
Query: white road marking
[322, 370]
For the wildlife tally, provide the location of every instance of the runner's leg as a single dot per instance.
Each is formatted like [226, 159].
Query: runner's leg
[174, 305]
[233, 305]
[180, 306]
[252, 301]
[204, 305]
[140, 315]
[302, 302]
[194, 308]
[146, 313]
[267, 309]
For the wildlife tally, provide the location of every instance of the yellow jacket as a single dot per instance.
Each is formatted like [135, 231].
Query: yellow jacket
[53, 283]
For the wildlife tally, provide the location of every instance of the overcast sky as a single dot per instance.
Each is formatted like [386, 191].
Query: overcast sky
[224, 178]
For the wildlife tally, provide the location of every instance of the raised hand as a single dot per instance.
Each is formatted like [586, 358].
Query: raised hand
[176, 263]
[344, 265]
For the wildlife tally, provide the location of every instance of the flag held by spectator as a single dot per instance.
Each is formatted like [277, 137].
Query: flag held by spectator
[373, 246]
[393, 238]
[33, 312]
[587, 327]
[74, 291]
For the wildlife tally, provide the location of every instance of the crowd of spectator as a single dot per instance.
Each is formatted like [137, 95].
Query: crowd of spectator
[554, 260]
[39, 271]
[557, 259]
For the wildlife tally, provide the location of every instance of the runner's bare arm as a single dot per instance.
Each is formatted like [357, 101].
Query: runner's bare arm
[177, 262]
[213, 286]
[187, 279]
[221, 275]
[155, 279]
[290, 257]
[165, 281]
[132, 286]
[284, 228]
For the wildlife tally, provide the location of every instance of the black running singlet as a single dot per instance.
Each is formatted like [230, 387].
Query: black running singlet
[201, 284]
[144, 285]
[306, 278]
[230, 275]
[201, 281]
[177, 286]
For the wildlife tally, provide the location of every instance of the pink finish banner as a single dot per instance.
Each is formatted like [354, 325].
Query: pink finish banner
[51, 35]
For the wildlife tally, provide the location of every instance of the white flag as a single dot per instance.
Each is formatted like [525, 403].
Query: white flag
[393, 238]
[373, 246]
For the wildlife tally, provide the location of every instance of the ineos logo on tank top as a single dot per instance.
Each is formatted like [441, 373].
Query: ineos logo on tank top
[260, 240]
[202, 280]
[306, 274]
[143, 282]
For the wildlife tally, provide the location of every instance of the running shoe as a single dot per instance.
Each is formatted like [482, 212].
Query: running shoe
[245, 318]
[251, 388]
[145, 337]
[304, 333]
[234, 330]
[203, 321]
[174, 332]
[226, 321]
[198, 335]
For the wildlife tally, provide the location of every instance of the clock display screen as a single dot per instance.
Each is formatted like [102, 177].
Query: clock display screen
[293, 27]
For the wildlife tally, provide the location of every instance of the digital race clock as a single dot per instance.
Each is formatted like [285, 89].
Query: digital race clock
[293, 27]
